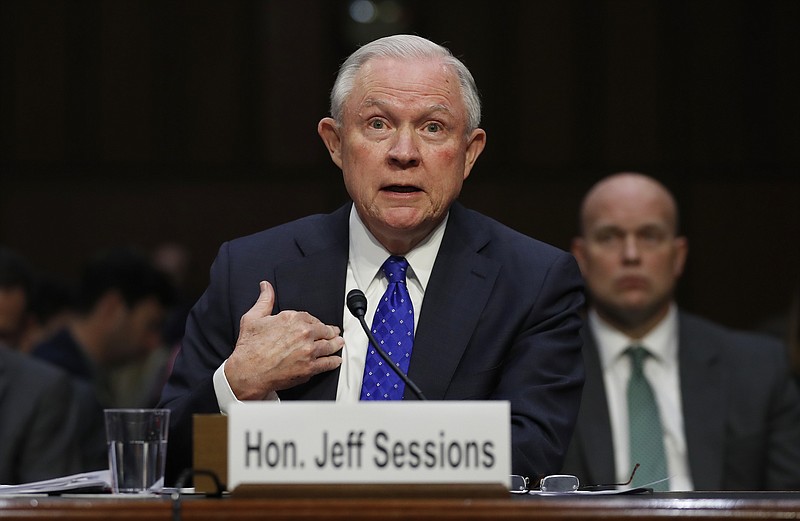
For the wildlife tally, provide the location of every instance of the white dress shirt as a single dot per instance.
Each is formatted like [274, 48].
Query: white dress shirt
[365, 258]
[661, 370]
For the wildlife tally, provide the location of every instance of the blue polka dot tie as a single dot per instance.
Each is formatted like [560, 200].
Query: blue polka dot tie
[393, 328]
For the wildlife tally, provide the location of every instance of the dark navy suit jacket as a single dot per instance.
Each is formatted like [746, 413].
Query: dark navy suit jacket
[500, 320]
[741, 412]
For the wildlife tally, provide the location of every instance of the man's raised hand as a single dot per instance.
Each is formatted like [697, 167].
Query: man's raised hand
[277, 352]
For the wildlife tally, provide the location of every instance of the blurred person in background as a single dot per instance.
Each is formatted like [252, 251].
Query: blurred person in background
[786, 326]
[724, 411]
[52, 306]
[121, 306]
[16, 286]
[139, 383]
[38, 420]
[121, 303]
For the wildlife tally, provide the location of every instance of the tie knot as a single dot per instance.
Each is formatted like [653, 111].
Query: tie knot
[637, 355]
[395, 269]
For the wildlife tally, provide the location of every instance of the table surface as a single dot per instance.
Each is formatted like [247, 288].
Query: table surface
[706, 506]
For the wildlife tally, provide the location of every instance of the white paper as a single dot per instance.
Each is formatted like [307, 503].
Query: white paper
[95, 479]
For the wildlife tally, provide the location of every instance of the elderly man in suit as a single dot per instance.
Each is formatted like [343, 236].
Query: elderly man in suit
[495, 314]
[722, 409]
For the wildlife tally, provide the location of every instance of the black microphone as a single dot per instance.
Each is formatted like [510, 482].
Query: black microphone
[357, 304]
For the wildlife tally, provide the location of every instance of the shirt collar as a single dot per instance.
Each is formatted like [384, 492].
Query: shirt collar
[661, 341]
[367, 255]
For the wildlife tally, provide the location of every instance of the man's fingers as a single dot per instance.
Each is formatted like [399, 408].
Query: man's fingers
[275, 352]
[327, 363]
[325, 348]
[329, 332]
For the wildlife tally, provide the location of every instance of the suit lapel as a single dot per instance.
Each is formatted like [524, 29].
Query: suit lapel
[703, 398]
[594, 426]
[315, 282]
[459, 287]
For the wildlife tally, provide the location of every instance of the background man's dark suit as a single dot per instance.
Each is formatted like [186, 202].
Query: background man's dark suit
[499, 321]
[63, 351]
[38, 437]
[741, 412]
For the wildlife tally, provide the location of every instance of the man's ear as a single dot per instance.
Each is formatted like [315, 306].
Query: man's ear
[578, 250]
[681, 252]
[475, 145]
[328, 130]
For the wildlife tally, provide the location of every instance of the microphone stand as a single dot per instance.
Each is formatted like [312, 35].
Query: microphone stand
[358, 308]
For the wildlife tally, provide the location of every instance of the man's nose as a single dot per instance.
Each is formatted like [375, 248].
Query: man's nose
[630, 249]
[404, 151]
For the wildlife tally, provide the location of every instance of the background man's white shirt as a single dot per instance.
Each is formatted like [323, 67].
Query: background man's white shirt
[661, 370]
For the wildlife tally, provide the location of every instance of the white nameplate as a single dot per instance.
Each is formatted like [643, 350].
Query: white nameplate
[369, 442]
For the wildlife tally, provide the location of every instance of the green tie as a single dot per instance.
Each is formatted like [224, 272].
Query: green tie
[646, 436]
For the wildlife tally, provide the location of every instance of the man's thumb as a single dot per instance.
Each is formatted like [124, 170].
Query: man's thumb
[266, 299]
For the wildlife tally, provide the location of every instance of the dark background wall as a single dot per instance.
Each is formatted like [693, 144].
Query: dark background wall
[140, 122]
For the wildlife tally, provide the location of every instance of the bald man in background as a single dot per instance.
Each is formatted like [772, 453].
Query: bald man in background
[729, 411]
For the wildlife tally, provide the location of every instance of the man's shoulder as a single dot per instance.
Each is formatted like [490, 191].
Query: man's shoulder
[32, 372]
[56, 347]
[314, 227]
[63, 351]
[502, 237]
[732, 340]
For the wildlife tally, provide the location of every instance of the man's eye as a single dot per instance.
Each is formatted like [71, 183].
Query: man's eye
[433, 127]
[608, 239]
[652, 236]
[377, 124]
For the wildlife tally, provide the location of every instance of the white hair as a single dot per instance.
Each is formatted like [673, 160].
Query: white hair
[404, 46]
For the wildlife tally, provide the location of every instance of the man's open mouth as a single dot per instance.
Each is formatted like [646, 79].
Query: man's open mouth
[402, 189]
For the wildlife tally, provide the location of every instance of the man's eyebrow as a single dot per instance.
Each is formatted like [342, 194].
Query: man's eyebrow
[438, 107]
[372, 102]
[605, 225]
[621, 229]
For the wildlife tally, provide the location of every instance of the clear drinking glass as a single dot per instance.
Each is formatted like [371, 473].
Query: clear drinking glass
[137, 449]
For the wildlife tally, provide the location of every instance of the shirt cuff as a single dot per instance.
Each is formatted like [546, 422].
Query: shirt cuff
[225, 395]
